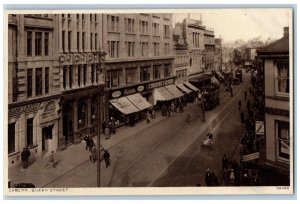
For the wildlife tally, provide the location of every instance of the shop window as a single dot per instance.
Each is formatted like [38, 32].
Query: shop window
[11, 137]
[81, 114]
[283, 140]
[145, 73]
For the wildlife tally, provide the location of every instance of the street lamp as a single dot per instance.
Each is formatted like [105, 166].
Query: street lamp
[101, 60]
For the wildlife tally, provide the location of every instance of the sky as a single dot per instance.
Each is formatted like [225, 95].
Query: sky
[233, 24]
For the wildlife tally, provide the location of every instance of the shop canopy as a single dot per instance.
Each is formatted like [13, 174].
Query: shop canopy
[214, 80]
[190, 86]
[183, 88]
[124, 105]
[174, 91]
[138, 100]
[220, 75]
[162, 94]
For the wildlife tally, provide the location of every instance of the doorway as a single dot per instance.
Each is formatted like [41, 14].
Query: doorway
[46, 135]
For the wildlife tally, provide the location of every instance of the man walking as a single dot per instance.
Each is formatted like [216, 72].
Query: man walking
[25, 157]
[106, 157]
[208, 178]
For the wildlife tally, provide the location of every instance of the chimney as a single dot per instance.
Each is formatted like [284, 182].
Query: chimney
[285, 31]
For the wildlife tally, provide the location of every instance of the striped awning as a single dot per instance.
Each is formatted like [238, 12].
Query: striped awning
[138, 100]
[174, 91]
[162, 94]
[183, 88]
[190, 86]
[124, 105]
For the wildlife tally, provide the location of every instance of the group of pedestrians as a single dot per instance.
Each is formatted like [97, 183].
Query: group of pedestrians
[91, 146]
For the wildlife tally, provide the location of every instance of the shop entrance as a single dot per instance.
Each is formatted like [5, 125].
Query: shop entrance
[46, 134]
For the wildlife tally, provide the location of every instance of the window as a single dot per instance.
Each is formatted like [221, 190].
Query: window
[93, 73]
[130, 48]
[81, 113]
[167, 70]
[29, 43]
[79, 74]
[113, 49]
[144, 49]
[29, 131]
[143, 27]
[65, 76]
[83, 41]
[46, 44]
[167, 49]
[63, 41]
[91, 17]
[69, 15]
[69, 41]
[77, 16]
[38, 81]
[166, 31]
[96, 41]
[155, 28]
[156, 49]
[29, 82]
[78, 41]
[283, 141]
[131, 75]
[11, 137]
[129, 25]
[84, 74]
[70, 76]
[145, 73]
[113, 23]
[114, 77]
[15, 89]
[91, 41]
[156, 71]
[46, 80]
[282, 80]
[38, 43]
[82, 16]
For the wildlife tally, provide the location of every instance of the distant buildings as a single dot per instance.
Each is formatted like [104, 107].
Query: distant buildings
[275, 58]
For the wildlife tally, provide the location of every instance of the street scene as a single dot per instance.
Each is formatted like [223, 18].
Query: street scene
[99, 100]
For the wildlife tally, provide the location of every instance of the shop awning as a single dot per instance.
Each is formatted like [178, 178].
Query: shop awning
[190, 86]
[214, 80]
[124, 105]
[174, 91]
[138, 100]
[183, 88]
[162, 94]
[220, 75]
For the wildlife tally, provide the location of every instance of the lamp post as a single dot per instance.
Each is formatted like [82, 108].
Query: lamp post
[101, 60]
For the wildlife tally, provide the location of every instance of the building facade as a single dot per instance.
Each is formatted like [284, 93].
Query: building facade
[218, 62]
[33, 85]
[275, 61]
[209, 52]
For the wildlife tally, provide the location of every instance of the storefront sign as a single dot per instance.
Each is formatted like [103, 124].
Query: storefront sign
[24, 109]
[116, 94]
[129, 91]
[140, 88]
[160, 83]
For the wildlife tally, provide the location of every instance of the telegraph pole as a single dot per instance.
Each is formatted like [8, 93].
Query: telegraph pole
[100, 111]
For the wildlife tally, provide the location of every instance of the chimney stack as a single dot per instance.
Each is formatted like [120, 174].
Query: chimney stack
[285, 31]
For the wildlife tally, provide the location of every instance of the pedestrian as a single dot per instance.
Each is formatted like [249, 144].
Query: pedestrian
[148, 118]
[51, 160]
[25, 157]
[106, 157]
[113, 125]
[245, 95]
[231, 177]
[188, 117]
[240, 104]
[224, 162]
[93, 155]
[208, 178]
[87, 142]
[153, 114]
[242, 117]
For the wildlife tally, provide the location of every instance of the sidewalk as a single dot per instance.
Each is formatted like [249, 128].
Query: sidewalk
[73, 156]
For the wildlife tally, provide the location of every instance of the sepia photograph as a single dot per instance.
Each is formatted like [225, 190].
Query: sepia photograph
[149, 101]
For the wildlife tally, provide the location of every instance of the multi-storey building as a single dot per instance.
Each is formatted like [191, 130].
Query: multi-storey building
[33, 85]
[139, 59]
[209, 53]
[218, 55]
[79, 47]
[275, 62]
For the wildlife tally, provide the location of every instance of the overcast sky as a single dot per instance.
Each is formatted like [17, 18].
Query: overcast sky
[233, 24]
